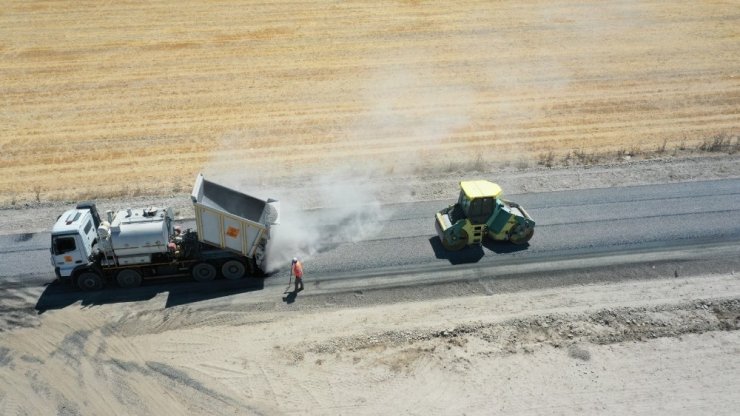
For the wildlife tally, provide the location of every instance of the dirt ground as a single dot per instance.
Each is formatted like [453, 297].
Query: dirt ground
[108, 99]
[666, 346]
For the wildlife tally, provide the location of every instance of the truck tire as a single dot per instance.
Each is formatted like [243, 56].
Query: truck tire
[128, 278]
[233, 270]
[254, 270]
[89, 281]
[204, 272]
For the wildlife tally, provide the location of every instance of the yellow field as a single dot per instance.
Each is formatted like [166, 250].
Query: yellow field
[100, 98]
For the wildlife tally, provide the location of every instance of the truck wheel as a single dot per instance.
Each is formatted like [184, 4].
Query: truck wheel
[233, 270]
[455, 243]
[89, 281]
[203, 272]
[128, 278]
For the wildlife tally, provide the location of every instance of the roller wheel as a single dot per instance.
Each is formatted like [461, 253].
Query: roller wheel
[233, 270]
[455, 243]
[203, 272]
[128, 278]
[521, 235]
[89, 281]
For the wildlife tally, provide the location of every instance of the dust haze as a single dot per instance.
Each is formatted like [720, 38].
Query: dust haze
[341, 193]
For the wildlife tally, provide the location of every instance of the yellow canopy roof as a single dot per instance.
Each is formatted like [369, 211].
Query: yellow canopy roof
[480, 189]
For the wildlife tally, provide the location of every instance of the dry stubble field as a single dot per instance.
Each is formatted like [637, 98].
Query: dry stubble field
[112, 98]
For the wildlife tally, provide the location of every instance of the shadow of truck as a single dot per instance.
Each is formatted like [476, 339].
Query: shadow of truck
[58, 295]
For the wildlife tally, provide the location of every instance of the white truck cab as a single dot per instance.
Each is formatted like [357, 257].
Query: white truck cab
[72, 239]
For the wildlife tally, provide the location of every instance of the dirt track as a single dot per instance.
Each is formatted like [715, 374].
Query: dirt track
[110, 98]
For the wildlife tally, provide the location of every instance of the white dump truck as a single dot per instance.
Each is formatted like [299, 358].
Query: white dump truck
[130, 245]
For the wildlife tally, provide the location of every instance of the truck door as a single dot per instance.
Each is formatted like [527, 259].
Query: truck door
[67, 252]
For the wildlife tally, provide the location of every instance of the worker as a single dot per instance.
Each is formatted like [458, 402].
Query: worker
[296, 269]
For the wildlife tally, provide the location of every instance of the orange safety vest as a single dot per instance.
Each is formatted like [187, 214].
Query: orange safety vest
[298, 269]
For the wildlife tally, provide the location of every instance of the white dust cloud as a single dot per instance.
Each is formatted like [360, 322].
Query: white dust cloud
[407, 112]
[350, 212]
[401, 109]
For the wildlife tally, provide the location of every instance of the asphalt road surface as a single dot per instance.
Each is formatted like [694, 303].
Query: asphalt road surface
[570, 224]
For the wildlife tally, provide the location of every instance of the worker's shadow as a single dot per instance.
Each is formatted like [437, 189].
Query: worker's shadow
[469, 254]
[290, 297]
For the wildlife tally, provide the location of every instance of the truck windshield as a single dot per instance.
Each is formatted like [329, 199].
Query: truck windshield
[63, 245]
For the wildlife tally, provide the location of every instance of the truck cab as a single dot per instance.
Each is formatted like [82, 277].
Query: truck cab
[72, 239]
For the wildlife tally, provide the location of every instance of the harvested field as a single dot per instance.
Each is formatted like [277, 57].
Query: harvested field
[106, 99]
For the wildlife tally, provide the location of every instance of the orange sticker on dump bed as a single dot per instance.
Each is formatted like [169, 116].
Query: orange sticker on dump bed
[232, 232]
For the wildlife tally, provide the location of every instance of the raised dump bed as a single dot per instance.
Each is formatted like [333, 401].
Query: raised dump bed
[232, 220]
